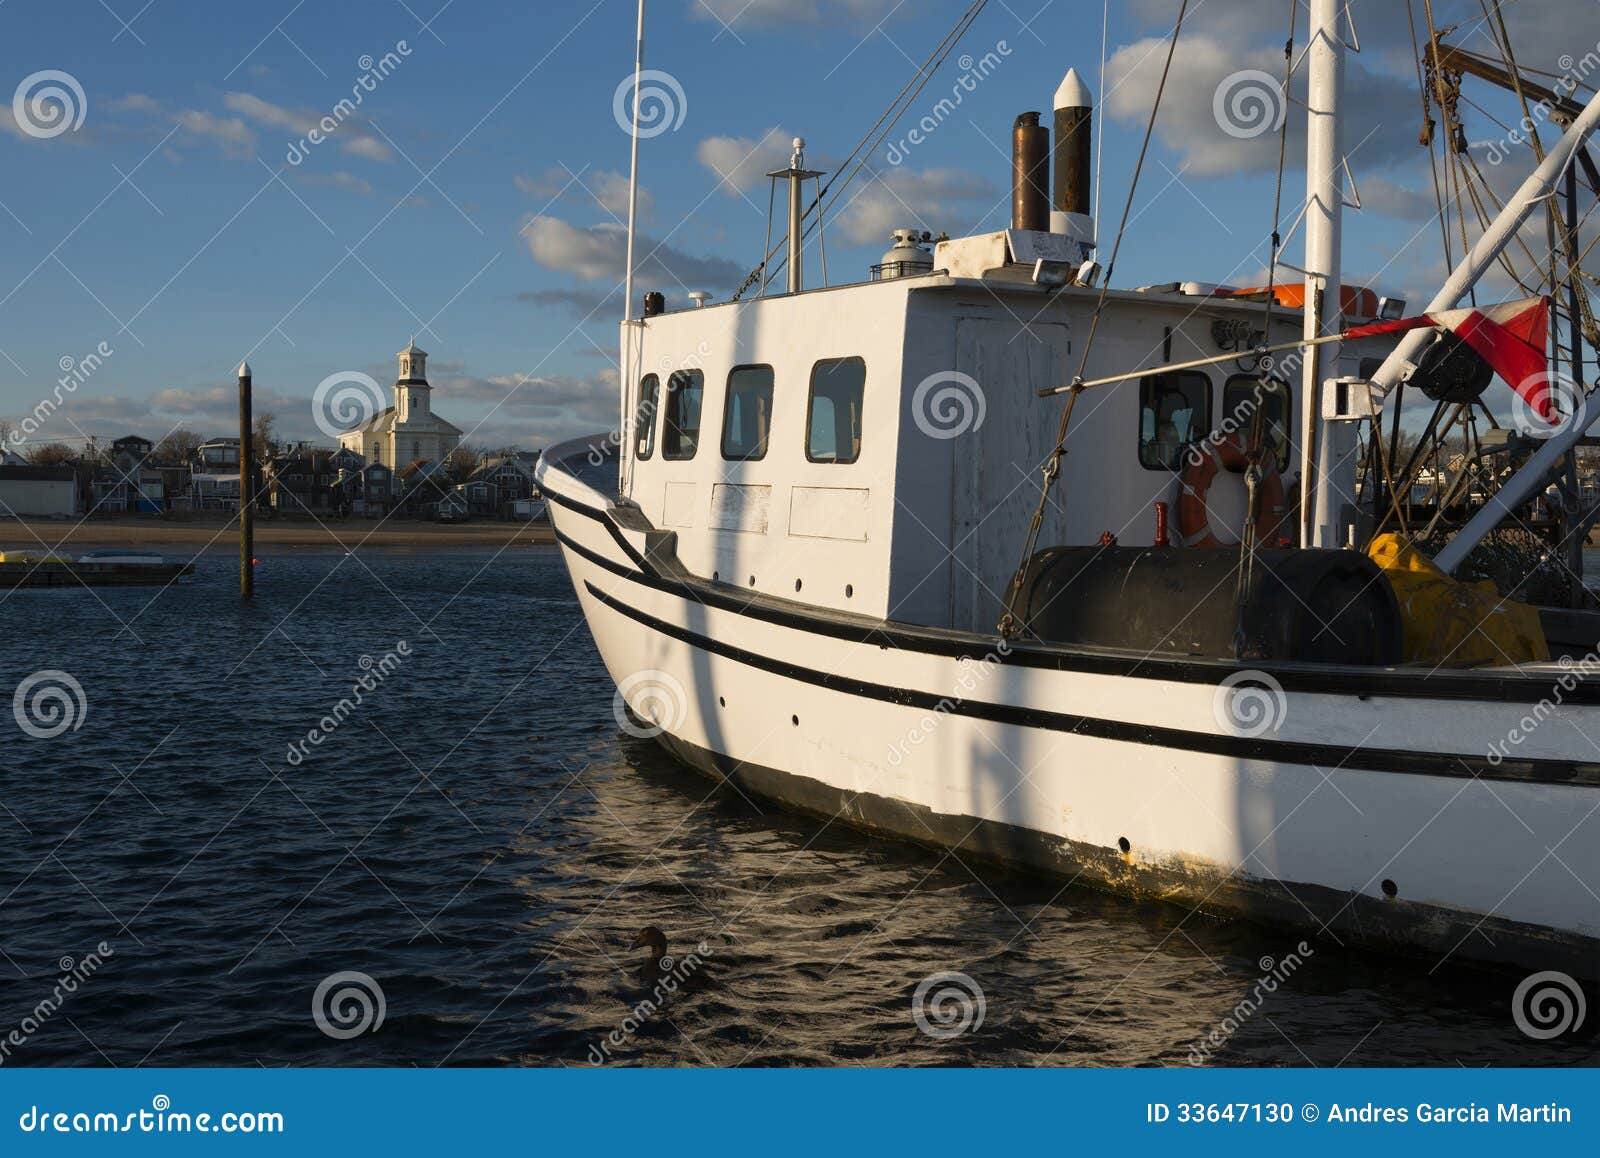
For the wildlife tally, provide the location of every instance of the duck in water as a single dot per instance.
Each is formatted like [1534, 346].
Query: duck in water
[660, 968]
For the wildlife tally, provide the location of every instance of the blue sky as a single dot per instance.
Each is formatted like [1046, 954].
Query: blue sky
[473, 198]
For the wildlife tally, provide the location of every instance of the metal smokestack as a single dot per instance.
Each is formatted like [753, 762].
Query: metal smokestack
[1030, 174]
[1074, 165]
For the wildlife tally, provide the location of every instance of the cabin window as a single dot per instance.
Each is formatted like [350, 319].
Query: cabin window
[747, 416]
[1174, 411]
[680, 437]
[644, 422]
[833, 416]
[1242, 396]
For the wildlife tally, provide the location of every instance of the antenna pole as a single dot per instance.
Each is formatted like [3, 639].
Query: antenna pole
[1326, 448]
[627, 280]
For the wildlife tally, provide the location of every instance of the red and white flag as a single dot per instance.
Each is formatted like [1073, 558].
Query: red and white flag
[1511, 337]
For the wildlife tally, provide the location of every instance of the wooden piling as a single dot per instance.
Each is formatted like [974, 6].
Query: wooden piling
[247, 490]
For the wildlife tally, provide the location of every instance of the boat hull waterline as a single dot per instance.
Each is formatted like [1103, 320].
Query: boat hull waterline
[1317, 816]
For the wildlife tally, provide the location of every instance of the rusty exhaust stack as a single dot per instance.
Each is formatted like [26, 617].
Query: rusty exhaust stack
[1030, 174]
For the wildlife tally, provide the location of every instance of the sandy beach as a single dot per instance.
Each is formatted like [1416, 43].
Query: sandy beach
[222, 535]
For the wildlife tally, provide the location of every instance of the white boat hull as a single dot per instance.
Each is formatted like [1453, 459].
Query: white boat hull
[1123, 778]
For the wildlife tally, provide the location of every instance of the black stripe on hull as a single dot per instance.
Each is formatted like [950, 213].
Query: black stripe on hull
[1414, 684]
[1354, 919]
[1327, 756]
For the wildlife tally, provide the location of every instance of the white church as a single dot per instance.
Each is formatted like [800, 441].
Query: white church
[409, 430]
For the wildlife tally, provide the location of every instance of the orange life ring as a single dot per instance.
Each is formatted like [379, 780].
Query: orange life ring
[1203, 460]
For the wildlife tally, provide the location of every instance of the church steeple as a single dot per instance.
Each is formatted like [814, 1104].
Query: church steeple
[413, 364]
[411, 387]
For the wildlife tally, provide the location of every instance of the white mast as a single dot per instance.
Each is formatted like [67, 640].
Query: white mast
[1326, 448]
[624, 421]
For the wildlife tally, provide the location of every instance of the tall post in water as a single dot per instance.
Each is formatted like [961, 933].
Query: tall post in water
[247, 490]
[1326, 448]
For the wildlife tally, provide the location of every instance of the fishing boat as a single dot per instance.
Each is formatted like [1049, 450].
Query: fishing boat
[126, 557]
[1123, 585]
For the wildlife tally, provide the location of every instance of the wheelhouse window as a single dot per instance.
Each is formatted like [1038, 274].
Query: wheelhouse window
[833, 414]
[680, 436]
[747, 417]
[1174, 411]
[1245, 395]
[644, 421]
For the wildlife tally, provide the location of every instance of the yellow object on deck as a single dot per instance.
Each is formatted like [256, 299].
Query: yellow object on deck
[1448, 623]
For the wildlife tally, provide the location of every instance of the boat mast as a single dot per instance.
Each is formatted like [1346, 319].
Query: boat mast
[623, 423]
[1326, 448]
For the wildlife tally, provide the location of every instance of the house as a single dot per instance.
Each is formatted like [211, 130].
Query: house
[420, 488]
[301, 481]
[132, 484]
[47, 491]
[409, 430]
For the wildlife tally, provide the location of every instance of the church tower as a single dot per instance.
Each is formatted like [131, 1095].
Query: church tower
[411, 389]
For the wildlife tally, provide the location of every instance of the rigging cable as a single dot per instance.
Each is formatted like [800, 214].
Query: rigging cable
[902, 101]
[1052, 467]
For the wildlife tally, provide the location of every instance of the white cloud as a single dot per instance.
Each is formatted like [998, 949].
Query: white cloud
[1203, 67]
[604, 187]
[230, 132]
[951, 200]
[299, 122]
[599, 253]
[741, 164]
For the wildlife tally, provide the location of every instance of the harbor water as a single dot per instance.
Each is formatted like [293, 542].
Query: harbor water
[232, 869]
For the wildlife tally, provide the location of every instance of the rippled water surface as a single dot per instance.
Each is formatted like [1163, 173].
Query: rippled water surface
[481, 841]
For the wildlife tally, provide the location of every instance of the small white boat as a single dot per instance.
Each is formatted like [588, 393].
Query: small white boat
[124, 558]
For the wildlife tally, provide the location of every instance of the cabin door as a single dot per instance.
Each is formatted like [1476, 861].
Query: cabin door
[997, 464]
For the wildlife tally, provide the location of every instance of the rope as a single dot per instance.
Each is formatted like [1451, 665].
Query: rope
[1052, 468]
